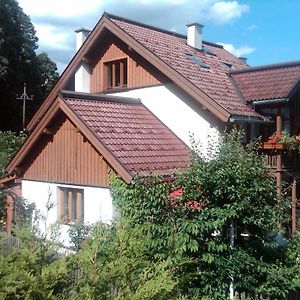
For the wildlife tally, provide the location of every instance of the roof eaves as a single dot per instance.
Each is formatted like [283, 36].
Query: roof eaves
[270, 101]
[99, 97]
[32, 138]
[248, 119]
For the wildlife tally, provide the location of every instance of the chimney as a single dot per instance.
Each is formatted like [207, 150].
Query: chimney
[194, 35]
[81, 35]
[83, 73]
[243, 59]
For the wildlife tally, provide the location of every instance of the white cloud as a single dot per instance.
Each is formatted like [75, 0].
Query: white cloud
[65, 8]
[238, 52]
[56, 20]
[222, 12]
[252, 27]
[49, 34]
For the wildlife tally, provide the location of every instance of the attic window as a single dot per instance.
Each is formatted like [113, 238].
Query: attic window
[116, 72]
[197, 60]
[227, 64]
[208, 51]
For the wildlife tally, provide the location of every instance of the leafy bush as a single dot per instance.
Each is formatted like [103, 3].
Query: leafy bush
[191, 229]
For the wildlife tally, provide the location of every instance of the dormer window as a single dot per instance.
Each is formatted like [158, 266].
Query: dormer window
[116, 73]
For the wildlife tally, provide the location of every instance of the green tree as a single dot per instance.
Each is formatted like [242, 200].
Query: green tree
[116, 259]
[34, 270]
[9, 143]
[191, 230]
[19, 64]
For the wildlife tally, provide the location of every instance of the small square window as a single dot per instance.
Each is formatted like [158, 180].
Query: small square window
[71, 203]
[116, 72]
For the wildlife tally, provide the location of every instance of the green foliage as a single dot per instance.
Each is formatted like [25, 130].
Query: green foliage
[171, 245]
[234, 187]
[118, 267]
[78, 234]
[9, 143]
[19, 64]
[34, 271]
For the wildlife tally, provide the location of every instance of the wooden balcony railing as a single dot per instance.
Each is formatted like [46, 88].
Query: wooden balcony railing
[290, 159]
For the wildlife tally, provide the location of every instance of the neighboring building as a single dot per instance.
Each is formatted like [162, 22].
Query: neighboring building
[192, 86]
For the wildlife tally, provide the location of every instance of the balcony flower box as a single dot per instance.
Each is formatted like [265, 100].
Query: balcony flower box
[282, 141]
[274, 146]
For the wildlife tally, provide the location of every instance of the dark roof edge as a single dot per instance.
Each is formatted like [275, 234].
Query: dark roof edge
[270, 101]
[99, 97]
[266, 67]
[108, 15]
[239, 118]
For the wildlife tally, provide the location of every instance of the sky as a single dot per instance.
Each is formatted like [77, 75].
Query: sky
[264, 31]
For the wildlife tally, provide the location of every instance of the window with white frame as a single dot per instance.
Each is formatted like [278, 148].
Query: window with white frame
[71, 203]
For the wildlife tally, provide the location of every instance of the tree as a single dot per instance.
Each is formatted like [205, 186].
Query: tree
[9, 143]
[19, 64]
[189, 227]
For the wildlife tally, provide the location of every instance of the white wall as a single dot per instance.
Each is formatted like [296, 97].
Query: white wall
[82, 78]
[174, 113]
[97, 204]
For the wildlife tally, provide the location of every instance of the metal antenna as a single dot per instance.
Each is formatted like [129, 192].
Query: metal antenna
[24, 97]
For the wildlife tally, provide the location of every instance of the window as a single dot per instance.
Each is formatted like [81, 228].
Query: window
[116, 73]
[196, 60]
[71, 205]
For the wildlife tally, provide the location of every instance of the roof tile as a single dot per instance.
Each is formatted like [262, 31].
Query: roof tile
[269, 82]
[213, 81]
[140, 141]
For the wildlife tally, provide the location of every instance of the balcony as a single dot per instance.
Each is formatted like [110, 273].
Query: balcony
[290, 158]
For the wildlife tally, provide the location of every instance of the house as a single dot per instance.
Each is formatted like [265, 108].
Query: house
[192, 86]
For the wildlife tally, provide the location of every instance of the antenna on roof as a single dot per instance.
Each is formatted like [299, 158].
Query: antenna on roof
[24, 97]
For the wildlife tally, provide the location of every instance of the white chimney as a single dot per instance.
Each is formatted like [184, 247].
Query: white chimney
[194, 35]
[83, 73]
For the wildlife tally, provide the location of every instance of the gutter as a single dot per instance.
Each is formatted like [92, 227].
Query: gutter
[273, 101]
[249, 119]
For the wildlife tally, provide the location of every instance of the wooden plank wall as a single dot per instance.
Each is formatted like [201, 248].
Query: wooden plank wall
[67, 157]
[137, 75]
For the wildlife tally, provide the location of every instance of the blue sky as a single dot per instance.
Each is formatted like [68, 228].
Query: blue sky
[271, 27]
[264, 31]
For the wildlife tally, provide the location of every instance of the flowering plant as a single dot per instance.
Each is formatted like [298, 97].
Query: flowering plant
[291, 141]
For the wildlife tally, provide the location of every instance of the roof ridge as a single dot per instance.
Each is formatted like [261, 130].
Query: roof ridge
[99, 97]
[266, 67]
[173, 33]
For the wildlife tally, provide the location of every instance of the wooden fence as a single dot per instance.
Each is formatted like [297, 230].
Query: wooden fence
[8, 243]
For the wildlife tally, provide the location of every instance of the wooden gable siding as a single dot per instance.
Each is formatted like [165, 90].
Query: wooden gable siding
[137, 75]
[67, 157]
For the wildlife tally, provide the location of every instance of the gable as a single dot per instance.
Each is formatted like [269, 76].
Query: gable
[122, 130]
[137, 74]
[65, 156]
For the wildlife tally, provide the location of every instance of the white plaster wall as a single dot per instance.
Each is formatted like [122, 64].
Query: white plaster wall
[83, 78]
[177, 115]
[97, 205]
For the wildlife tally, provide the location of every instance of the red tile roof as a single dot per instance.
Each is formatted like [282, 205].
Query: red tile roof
[134, 136]
[267, 82]
[172, 49]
